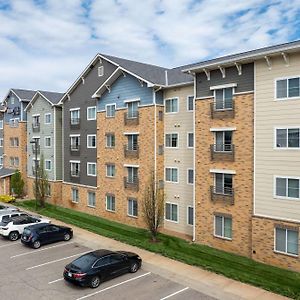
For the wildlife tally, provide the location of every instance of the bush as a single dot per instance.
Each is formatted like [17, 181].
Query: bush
[17, 184]
[7, 198]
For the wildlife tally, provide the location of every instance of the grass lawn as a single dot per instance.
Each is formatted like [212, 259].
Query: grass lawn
[270, 278]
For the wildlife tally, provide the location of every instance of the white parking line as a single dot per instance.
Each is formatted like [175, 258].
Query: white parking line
[34, 251]
[169, 296]
[57, 260]
[10, 244]
[60, 279]
[113, 286]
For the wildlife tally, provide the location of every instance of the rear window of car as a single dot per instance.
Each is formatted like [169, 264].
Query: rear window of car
[84, 261]
[5, 218]
[27, 231]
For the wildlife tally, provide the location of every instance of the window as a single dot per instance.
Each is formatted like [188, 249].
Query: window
[171, 140]
[110, 202]
[223, 98]
[223, 184]
[75, 168]
[75, 195]
[288, 138]
[1, 124]
[48, 165]
[12, 100]
[171, 105]
[132, 140]
[223, 141]
[91, 169]
[36, 121]
[287, 187]
[14, 142]
[190, 103]
[110, 170]
[91, 140]
[132, 109]
[223, 227]
[14, 122]
[75, 116]
[1, 142]
[132, 174]
[17, 161]
[47, 141]
[48, 118]
[75, 143]
[48, 190]
[1, 161]
[171, 213]
[288, 88]
[190, 140]
[92, 199]
[190, 176]
[110, 110]
[110, 140]
[132, 207]
[172, 175]
[12, 161]
[190, 215]
[91, 113]
[286, 241]
[100, 71]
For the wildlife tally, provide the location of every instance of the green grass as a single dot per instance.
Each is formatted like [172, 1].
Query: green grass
[270, 278]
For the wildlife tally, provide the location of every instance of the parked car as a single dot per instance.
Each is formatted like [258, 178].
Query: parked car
[14, 226]
[7, 207]
[94, 267]
[40, 234]
[5, 215]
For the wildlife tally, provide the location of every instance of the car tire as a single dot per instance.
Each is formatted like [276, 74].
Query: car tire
[95, 282]
[36, 244]
[134, 267]
[67, 236]
[13, 236]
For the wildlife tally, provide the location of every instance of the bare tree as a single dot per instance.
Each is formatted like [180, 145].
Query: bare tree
[153, 207]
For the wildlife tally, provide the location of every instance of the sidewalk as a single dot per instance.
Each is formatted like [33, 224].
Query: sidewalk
[209, 283]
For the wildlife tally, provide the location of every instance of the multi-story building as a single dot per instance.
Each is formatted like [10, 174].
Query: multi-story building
[44, 127]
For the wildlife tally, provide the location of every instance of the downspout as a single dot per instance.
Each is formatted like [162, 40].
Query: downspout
[194, 161]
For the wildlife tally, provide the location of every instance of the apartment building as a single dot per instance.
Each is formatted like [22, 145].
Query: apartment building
[44, 126]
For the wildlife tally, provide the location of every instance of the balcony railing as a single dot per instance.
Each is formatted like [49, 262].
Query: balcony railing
[75, 123]
[36, 127]
[131, 118]
[131, 183]
[14, 124]
[221, 110]
[36, 150]
[131, 151]
[224, 194]
[223, 152]
[75, 149]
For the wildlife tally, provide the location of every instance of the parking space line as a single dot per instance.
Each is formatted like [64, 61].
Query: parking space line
[60, 279]
[113, 286]
[57, 260]
[171, 295]
[34, 251]
[7, 245]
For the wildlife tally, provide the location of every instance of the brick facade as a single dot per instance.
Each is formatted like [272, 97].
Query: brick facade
[5, 186]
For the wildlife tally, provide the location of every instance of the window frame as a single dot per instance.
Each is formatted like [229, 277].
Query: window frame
[112, 196]
[1, 124]
[287, 85]
[187, 215]
[223, 227]
[187, 178]
[50, 138]
[72, 110]
[286, 240]
[45, 118]
[1, 142]
[187, 140]
[128, 207]
[87, 113]
[77, 191]
[106, 139]
[87, 169]
[171, 210]
[285, 197]
[170, 99]
[87, 141]
[172, 176]
[171, 133]
[187, 103]
[78, 162]
[107, 167]
[48, 160]
[223, 88]
[88, 199]
[287, 138]
[106, 106]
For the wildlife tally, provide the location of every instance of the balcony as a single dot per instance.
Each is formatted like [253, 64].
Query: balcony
[74, 176]
[131, 118]
[222, 194]
[75, 123]
[36, 127]
[36, 150]
[131, 151]
[222, 152]
[75, 149]
[222, 110]
[131, 183]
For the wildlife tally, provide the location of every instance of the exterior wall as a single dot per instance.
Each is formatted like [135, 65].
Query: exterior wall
[13, 102]
[245, 81]
[263, 243]
[241, 210]
[81, 98]
[180, 193]
[58, 143]
[2, 133]
[5, 185]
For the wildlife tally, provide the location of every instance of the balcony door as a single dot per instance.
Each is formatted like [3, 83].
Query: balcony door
[223, 141]
[132, 142]
[132, 174]
[223, 183]
[223, 98]
[132, 109]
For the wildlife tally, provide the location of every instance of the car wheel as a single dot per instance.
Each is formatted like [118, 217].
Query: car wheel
[14, 235]
[67, 236]
[95, 282]
[36, 244]
[134, 267]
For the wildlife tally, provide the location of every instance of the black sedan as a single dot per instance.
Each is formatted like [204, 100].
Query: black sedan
[95, 267]
[40, 234]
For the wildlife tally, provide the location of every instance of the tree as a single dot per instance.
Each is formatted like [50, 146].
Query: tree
[153, 207]
[41, 184]
[17, 184]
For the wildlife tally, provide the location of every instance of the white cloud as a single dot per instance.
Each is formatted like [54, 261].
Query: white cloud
[46, 44]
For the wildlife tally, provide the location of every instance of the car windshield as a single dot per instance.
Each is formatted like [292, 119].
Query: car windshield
[84, 261]
[27, 231]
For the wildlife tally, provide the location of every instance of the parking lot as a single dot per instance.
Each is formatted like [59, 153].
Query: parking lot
[37, 274]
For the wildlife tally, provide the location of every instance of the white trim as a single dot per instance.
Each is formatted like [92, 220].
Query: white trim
[74, 161]
[73, 109]
[172, 112]
[222, 129]
[172, 203]
[131, 166]
[111, 195]
[47, 160]
[287, 138]
[106, 174]
[223, 227]
[80, 185]
[131, 133]
[242, 93]
[111, 104]
[35, 115]
[285, 197]
[87, 169]
[132, 100]
[287, 88]
[87, 113]
[74, 135]
[48, 137]
[223, 86]
[221, 171]
[166, 167]
[165, 139]
[187, 139]
[281, 252]
[187, 103]
[194, 160]
[45, 118]
[87, 141]
[187, 177]
[254, 140]
[270, 217]
[187, 215]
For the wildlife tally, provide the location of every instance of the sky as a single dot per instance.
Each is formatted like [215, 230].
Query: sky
[46, 44]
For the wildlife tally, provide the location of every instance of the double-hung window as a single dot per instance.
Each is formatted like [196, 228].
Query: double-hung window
[48, 118]
[190, 215]
[223, 183]
[223, 98]
[132, 207]
[110, 110]
[91, 113]
[110, 202]
[47, 141]
[35, 121]
[75, 142]
[132, 144]
[286, 241]
[288, 88]
[75, 168]
[75, 195]
[1, 142]
[171, 212]
[287, 137]
[171, 140]
[110, 140]
[190, 140]
[91, 169]
[132, 109]
[91, 141]
[110, 170]
[190, 176]
[132, 174]
[75, 116]
[223, 226]
[48, 165]
[287, 187]
[91, 199]
[171, 175]
[171, 105]
[190, 103]
[223, 141]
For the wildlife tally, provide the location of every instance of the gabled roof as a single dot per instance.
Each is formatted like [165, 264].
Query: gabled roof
[21, 94]
[243, 57]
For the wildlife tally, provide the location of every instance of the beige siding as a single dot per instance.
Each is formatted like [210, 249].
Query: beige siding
[269, 161]
[182, 158]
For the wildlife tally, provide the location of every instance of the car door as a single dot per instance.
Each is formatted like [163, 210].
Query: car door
[102, 268]
[118, 264]
[54, 233]
[43, 235]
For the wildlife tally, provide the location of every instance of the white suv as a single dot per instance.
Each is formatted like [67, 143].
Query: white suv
[14, 227]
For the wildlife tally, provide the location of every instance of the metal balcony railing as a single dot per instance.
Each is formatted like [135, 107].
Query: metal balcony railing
[225, 194]
[36, 127]
[131, 183]
[131, 151]
[131, 118]
[222, 109]
[223, 152]
[75, 123]
[75, 149]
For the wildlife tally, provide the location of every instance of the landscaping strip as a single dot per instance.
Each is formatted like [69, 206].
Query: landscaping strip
[277, 280]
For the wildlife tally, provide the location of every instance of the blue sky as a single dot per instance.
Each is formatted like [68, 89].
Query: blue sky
[45, 44]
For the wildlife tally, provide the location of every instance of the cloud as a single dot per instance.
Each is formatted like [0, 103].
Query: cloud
[45, 44]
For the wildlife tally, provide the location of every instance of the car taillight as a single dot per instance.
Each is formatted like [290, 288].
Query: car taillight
[66, 270]
[30, 237]
[79, 275]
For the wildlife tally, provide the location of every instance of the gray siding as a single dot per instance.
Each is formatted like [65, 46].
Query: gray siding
[245, 81]
[16, 104]
[58, 142]
[81, 98]
[1, 133]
